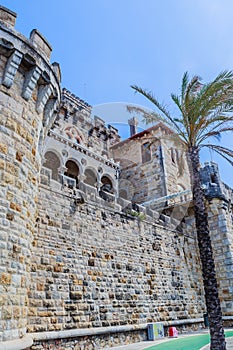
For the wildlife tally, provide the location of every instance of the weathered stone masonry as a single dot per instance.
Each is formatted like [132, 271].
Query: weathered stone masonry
[84, 262]
[97, 267]
[29, 93]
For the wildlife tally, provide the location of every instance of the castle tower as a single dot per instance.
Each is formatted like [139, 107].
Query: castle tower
[29, 96]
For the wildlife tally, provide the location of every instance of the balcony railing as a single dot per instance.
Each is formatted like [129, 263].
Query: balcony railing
[170, 200]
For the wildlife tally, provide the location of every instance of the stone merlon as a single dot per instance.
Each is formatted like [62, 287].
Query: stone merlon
[7, 17]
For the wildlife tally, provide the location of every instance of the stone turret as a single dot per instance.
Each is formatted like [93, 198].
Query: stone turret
[211, 181]
[29, 97]
[219, 204]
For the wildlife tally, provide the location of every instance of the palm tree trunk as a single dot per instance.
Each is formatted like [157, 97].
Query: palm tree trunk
[208, 268]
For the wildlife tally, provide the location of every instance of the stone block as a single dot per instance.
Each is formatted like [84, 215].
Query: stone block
[3, 148]
[7, 313]
[76, 295]
[11, 124]
[5, 278]
[7, 16]
[40, 43]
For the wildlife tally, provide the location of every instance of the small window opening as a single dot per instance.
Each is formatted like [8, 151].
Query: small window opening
[146, 152]
[213, 179]
[173, 156]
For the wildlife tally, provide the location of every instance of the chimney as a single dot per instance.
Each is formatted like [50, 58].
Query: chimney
[133, 123]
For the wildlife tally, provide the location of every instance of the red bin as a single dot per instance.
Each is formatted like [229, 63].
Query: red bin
[173, 332]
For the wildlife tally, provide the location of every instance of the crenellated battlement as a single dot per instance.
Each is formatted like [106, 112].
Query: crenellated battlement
[25, 64]
[7, 17]
[37, 41]
[96, 134]
[212, 184]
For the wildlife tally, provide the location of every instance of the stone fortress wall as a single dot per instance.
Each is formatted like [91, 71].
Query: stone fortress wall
[95, 266]
[87, 260]
[30, 92]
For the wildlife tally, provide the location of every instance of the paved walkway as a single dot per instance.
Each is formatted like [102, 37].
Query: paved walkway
[138, 346]
[146, 344]
[229, 344]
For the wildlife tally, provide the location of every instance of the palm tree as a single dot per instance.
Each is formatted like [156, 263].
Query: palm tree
[204, 112]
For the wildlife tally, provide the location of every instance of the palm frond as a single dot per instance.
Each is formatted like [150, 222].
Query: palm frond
[222, 151]
[216, 122]
[211, 99]
[177, 101]
[161, 107]
[185, 80]
[215, 125]
[215, 94]
[151, 98]
[191, 90]
[188, 107]
[225, 150]
[217, 132]
[148, 117]
[204, 108]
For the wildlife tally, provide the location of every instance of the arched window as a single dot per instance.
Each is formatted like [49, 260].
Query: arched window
[126, 189]
[123, 194]
[106, 184]
[91, 178]
[72, 170]
[52, 162]
[146, 152]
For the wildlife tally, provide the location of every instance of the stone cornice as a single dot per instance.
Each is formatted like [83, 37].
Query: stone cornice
[105, 330]
[83, 149]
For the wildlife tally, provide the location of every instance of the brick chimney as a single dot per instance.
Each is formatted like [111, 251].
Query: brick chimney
[133, 123]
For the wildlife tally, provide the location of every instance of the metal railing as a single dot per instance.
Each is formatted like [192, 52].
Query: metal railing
[178, 197]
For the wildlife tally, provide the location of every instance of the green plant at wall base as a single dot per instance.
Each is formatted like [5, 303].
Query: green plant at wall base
[141, 216]
[136, 214]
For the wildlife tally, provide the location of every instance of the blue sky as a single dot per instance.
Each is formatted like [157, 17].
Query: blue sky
[104, 46]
